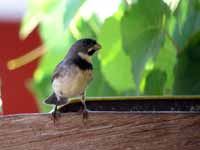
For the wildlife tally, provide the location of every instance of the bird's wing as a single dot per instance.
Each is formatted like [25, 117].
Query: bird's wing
[52, 99]
[58, 70]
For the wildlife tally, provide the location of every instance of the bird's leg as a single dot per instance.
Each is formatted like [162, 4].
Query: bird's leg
[85, 111]
[55, 113]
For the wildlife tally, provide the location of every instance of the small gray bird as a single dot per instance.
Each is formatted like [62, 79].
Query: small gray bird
[73, 74]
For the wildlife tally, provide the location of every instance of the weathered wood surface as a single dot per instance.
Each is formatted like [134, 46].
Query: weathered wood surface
[102, 131]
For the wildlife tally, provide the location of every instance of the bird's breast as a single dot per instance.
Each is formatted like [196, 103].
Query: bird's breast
[72, 83]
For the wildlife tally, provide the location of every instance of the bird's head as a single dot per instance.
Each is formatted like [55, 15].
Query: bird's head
[84, 48]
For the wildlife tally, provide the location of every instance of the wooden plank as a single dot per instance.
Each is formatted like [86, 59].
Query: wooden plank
[102, 131]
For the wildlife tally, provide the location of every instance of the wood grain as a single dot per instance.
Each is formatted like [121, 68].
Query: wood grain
[102, 131]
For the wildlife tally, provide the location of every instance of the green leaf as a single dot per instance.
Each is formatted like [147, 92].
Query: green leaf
[95, 24]
[165, 61]
[188, 22]
[172, 4]
[187, 70]
[37, 12]
[84, 29]
[142, 30]
[41, 89]
[99, 86]
[72, 7]
[55, 39]
[115, 63]
[155, 82]
[29, 23]
[57, 42]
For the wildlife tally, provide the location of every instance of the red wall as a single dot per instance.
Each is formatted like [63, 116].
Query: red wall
[16, 97]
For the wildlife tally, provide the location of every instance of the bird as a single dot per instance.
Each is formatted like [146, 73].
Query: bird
[72, 75]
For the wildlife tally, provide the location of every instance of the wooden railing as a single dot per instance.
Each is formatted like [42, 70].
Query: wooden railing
[110, 129]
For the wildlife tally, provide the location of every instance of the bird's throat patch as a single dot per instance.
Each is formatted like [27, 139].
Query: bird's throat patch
[85, 57]
[83, 63]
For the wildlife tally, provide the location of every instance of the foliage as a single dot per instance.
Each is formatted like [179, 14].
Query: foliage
[145, 50]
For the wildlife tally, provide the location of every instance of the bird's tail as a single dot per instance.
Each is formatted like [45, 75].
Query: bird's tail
[52, 100]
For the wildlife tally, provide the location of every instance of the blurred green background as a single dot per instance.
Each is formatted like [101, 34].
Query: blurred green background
[148, 47]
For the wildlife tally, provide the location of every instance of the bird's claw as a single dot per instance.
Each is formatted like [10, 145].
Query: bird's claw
[85, 114]
[56, 115]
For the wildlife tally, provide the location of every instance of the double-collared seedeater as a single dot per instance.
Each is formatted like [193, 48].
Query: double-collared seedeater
[73, 74]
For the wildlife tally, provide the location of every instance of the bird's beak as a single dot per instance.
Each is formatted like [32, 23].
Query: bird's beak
[93, 49]
[97, 46]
